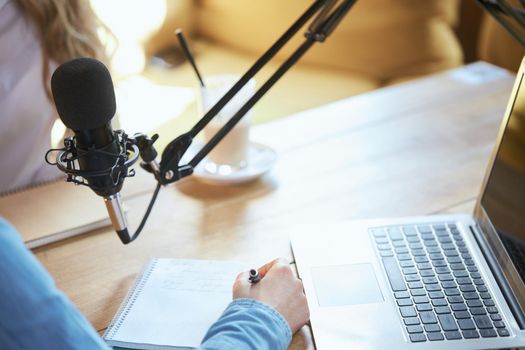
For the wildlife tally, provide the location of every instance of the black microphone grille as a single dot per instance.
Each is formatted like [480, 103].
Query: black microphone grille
[83, 93]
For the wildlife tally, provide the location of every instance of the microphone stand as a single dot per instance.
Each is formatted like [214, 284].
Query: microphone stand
[169, 169]
[501, 10]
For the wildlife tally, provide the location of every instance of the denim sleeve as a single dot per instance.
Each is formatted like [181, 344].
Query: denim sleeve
[33, 312]
[248, 324]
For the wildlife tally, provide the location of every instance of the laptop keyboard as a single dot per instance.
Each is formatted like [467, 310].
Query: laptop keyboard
[438, 289]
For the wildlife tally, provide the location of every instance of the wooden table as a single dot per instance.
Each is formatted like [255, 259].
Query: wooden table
[411, 149]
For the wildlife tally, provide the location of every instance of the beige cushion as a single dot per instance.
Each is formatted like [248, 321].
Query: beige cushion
[383, 39]
[379, 42]
[301, 88]
[499, 47]
[179, 14]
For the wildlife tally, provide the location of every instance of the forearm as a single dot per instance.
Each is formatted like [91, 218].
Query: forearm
[248, 324]
[34, 313]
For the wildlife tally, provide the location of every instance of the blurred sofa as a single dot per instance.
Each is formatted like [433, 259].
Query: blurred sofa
[380, 42]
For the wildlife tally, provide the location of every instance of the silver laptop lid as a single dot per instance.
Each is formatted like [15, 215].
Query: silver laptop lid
[500, 211]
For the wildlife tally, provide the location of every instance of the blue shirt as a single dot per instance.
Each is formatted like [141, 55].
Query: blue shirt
[34, 314]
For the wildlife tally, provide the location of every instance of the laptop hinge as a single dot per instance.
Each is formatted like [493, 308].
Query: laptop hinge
[500, 279]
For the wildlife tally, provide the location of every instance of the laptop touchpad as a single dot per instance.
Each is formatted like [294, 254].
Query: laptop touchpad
[346, 285]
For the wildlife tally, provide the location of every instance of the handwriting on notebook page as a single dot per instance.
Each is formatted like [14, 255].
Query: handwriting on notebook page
[203, 277]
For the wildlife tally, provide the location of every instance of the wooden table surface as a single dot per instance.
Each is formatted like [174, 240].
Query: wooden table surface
[411, 149]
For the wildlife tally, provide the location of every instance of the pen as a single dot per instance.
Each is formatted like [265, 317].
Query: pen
[254, 276]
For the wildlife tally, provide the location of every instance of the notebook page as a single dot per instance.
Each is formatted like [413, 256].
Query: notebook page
[178, 303]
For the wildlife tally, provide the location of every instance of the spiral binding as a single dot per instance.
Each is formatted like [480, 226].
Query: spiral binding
[129, 301]
[15, 190]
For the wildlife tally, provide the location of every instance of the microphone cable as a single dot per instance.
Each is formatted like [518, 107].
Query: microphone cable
[67, 165]
[124, 235]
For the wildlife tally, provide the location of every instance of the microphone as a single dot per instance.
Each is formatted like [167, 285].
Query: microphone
[85, 100]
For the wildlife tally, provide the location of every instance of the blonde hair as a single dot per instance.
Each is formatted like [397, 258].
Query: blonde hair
[67, 29]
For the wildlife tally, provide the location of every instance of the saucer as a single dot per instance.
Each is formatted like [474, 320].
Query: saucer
[259, 161]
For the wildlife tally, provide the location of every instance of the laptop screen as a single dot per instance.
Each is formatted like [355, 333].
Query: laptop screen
[504, 195]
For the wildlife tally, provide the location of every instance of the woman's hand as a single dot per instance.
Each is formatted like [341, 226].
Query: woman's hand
[278, 288]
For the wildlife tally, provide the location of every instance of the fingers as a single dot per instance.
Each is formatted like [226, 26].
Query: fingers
[242, 279]
[241, 286]
[263, 270]
[280, 268]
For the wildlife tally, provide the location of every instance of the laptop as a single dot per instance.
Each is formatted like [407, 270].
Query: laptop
[430, 282]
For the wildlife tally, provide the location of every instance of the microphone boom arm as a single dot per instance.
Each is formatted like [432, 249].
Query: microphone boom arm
[322, 26]
[504, 13]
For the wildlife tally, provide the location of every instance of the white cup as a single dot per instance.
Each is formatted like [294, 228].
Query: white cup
[232, 151]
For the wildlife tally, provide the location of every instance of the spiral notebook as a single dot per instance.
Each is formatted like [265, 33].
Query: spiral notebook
[53, 211]
[172, 304]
